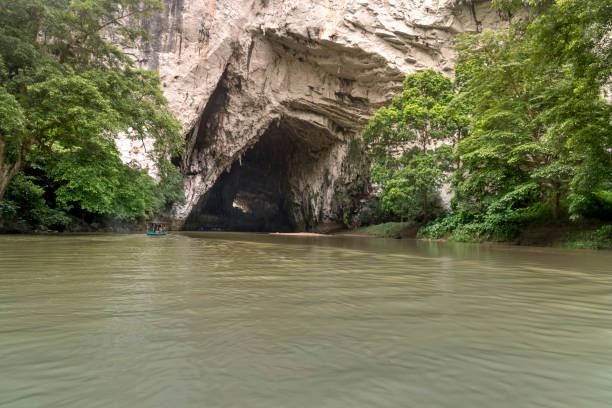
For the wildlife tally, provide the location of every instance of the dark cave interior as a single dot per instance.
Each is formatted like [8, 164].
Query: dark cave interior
[255, 195]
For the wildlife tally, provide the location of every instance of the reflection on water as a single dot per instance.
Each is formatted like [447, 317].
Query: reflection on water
[244, 320]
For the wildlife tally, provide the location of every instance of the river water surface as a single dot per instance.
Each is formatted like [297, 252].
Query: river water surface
[246, 320]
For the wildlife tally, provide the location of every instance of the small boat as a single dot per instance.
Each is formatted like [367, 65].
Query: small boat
[157, 228]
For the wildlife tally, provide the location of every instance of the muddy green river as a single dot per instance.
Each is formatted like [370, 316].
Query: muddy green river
[247, 320]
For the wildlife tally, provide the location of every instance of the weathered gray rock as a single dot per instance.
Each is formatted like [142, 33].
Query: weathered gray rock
[304, 74]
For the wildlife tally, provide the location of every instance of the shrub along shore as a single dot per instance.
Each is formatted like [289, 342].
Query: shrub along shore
[589, 235]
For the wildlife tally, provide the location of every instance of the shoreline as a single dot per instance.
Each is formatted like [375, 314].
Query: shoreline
[339, 234]
[560, 236]
[538, 237]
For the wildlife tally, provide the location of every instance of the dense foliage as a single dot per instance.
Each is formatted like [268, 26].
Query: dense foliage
[66, 91]
[536, 146]
[405, 145]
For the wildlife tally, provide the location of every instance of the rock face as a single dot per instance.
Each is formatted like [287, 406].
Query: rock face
[274, 95]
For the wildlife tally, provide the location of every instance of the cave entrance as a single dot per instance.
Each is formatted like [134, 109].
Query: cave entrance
[256, 194]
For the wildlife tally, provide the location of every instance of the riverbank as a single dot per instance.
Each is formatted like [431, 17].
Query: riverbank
[75, 226]
[593, 235]
[585, 235]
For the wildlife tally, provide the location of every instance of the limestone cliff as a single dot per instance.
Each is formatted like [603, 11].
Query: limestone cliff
[276, 93]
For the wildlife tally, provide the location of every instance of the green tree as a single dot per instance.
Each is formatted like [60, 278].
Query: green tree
[575, 34]
[63, 83]
[541, 128]
[27, 207]
[413, 189]
[93, 178]
[406, 139]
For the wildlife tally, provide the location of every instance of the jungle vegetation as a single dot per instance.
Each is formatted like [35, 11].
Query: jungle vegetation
[523, 135]
[66, 92]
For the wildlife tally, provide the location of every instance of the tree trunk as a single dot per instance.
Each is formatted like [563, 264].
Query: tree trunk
[425, 206]
[555, 209]
[7, 171]
[4, 179]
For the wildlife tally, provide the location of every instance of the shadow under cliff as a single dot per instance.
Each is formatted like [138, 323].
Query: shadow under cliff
[259, 194]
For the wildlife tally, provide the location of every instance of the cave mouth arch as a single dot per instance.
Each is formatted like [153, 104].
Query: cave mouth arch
[258, 193]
